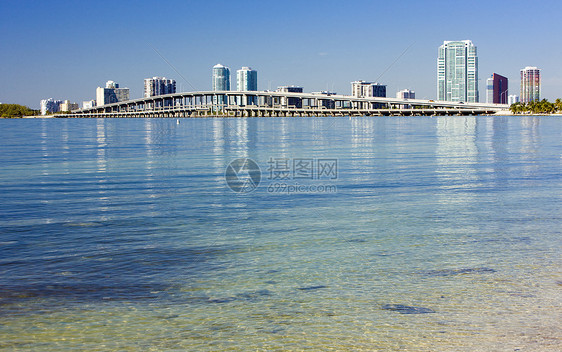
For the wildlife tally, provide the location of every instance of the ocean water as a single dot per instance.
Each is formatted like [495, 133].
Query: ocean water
[363, 234]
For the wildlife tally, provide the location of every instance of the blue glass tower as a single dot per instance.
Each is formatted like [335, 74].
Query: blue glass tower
[221, 78]
[247, 79]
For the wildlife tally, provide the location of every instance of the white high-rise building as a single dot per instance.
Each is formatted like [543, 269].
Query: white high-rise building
[362, 89]
[68, 106]
[247, 79]
[88, 104]
[457, 72]
[158, 86]
[111, 94]
[221, 78]
[489, 90]
[406, 94]
[50, 106]
[530, 84]
[512, 99]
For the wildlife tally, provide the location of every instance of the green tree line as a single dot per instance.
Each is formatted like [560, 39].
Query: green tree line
[537, 107]
[15, 110]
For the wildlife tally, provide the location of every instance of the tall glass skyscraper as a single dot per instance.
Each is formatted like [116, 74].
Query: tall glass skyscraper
[247, 79]
[530, 84]
[221, 78]
[457, 72]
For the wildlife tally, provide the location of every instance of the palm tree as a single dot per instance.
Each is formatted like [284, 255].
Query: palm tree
[517, 108]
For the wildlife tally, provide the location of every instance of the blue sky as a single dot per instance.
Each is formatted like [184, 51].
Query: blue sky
[65, 49]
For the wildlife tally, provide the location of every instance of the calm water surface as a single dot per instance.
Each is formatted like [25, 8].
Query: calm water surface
[433, 234]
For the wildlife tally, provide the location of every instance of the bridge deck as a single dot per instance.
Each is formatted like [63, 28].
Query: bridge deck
[234, 103]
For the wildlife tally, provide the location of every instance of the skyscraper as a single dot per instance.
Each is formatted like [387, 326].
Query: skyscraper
[406, 94]
[68, 106]
[496, 89]
[512, 99]
[88, 104]
[247, 79]
[111, 94]
[158, 86]
[362, 89]
[530, 84]
[457, 72]
[490, 90]
[221, 78]
[50, 106]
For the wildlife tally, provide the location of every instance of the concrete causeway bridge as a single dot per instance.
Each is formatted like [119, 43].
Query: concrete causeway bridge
[277, 104]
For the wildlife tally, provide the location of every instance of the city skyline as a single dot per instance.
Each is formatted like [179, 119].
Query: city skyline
[56, 56]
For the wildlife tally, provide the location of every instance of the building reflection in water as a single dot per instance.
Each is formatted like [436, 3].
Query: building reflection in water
[162, 138]
[283, 126]
[101, 177]
[499, 150]
[529, 145]
[218, 131]
[46, 139]
[366, 134]
[456, 157]
[148, 145]
[44, 148]
[66, 152]
[231, 139]
[101, 145]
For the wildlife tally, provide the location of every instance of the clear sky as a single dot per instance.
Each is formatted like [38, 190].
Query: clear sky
[65, 49]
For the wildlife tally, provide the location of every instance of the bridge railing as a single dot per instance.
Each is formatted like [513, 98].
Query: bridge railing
[274, 100]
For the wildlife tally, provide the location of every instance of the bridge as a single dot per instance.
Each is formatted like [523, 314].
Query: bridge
[277, 104]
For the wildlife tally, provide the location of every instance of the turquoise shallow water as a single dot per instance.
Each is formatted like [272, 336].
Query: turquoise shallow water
[122, 234]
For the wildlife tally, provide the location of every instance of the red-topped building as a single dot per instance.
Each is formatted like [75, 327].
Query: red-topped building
[496, 89]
